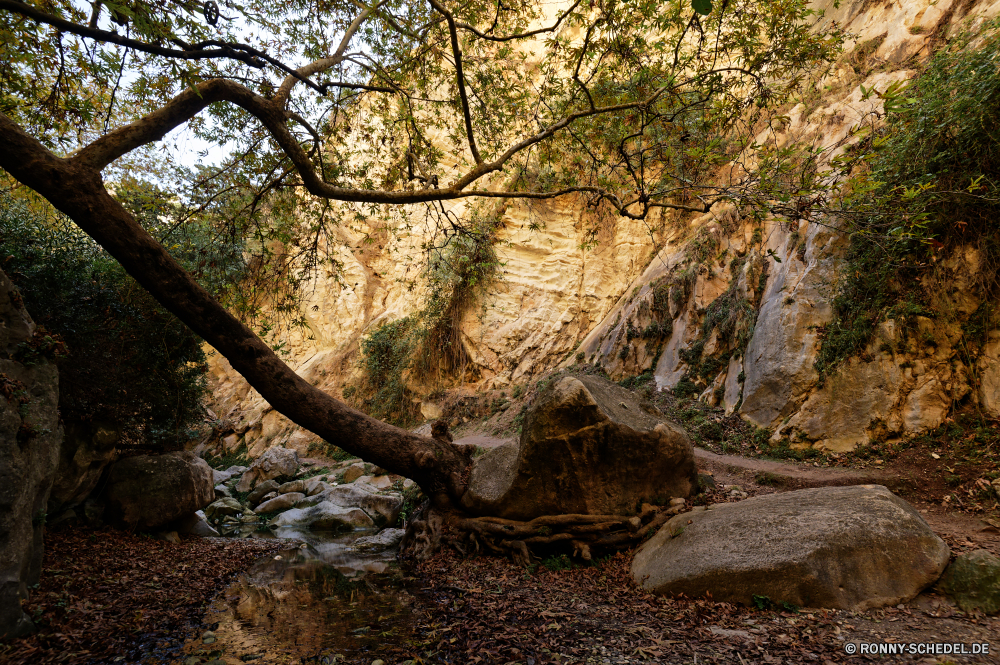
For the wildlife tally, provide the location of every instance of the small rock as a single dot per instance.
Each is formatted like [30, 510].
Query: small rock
[378, 661]
[293, 486]
[281, 502]
[193, 660]
[384, 540]
[677, 502]
[314, 487]
[208, 637]
[258, 493]
[973, 581]
[223, 507]
[354, 472]
[221, 491]
[168, 536]
[407, 484]
[705, 482]
[274, 463]
[380, 482]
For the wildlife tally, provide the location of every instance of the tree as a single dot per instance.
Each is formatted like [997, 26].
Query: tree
[633, 106]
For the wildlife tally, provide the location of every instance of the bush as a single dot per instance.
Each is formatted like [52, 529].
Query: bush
[131, 364]
[922, 186]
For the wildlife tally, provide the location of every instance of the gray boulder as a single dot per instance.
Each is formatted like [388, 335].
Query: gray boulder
[973, 580]
[148, 491]
[261, 491]
[273, 463]
[280, 502]
[30, 435]
[324, 516]
[588, 446]
[222, 491]
[848, 548]
[383, 508]
[386, 539]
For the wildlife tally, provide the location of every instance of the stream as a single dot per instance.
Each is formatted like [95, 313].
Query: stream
[317, 601]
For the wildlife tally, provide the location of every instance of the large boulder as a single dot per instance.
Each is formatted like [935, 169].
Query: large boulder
[30, 434]
[848, 548]
[588, 446]
[973, 580]
[148, 491]
[273, 463]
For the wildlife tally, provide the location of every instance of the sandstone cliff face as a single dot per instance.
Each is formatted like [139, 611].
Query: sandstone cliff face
[725, 309]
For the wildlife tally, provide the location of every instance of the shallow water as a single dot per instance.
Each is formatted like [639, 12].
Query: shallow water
[320, 602]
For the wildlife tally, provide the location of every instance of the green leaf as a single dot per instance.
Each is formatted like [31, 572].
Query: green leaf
[703, 7]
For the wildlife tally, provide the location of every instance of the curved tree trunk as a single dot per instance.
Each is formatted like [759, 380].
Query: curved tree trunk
[438, 466]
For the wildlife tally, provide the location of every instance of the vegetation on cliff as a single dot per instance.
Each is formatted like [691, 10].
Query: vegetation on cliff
[921, 187]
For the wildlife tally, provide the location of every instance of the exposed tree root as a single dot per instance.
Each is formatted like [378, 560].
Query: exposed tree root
[579, 535]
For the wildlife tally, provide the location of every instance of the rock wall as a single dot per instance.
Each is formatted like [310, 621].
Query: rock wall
[29, 451]
[711, 304]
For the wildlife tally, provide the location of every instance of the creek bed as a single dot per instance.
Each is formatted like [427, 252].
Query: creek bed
[316, 601]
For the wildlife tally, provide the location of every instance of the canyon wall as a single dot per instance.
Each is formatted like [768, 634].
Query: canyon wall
[712, 305]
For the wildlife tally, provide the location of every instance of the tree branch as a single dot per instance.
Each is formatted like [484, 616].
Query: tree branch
[240, 52]
[460, 75]
[78, 191]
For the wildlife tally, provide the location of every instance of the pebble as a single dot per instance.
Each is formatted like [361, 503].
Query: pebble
[208, 637]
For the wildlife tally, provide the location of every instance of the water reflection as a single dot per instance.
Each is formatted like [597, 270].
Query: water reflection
[319, 602]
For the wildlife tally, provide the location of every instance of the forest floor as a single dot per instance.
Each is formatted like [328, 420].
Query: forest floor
[111, 597]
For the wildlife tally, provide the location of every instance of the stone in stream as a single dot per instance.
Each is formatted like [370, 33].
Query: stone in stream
[588, 446]
[386, 539]
[973, 580]
[261, 490]
[223, 507]
[148, 491]
[280, 502]
[324, 516]
[850, 548]
[273, 463]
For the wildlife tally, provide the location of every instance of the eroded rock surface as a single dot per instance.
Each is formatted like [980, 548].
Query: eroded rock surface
[848, 548]
[588, 447]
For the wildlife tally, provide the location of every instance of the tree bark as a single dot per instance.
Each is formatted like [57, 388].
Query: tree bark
[77, 189]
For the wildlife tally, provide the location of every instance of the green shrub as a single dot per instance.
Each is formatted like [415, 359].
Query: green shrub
[925, 185]
[131, 365]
